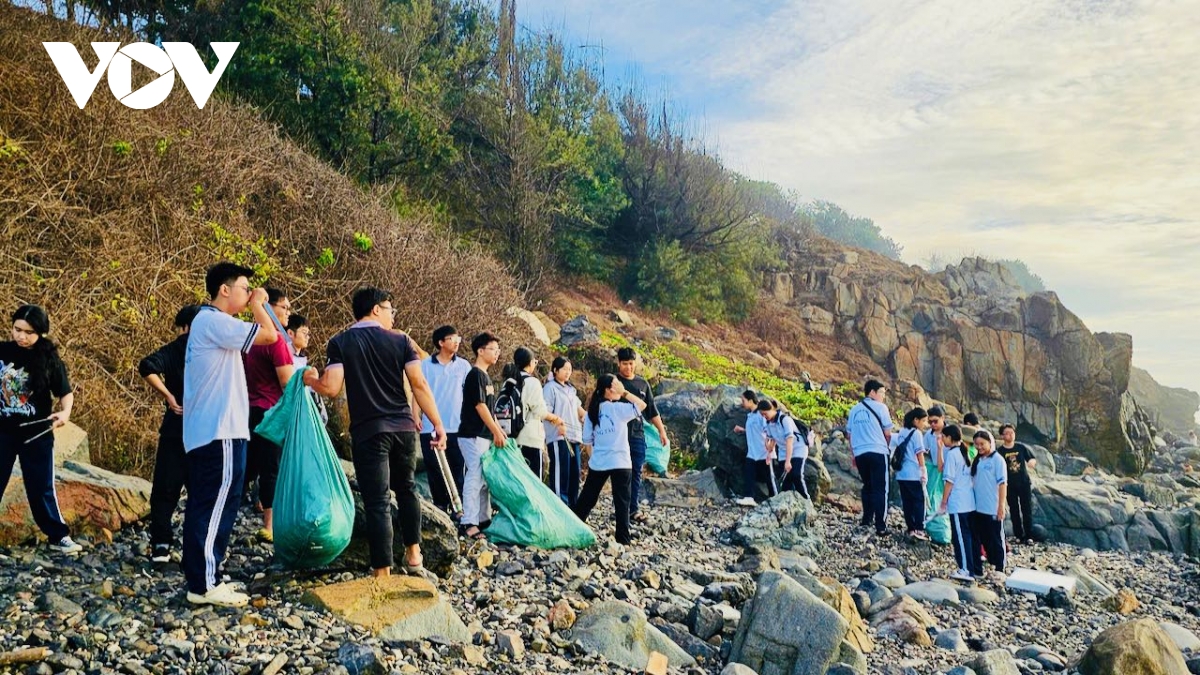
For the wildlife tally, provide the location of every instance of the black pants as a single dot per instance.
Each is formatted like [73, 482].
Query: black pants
[170, 475]
[989, 533]
[37, 472]
[214, 484]
[794, 479]
[262, 462]
[966, 548]
[637, 453]
[912, 497]
[873, 468]
[533, 457]
[454, 458]
[388, 460]
[564, 471]
[1020, 505]
[755, 471]
[620, 492]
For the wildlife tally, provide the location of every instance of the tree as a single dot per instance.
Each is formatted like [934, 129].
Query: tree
[830, 220]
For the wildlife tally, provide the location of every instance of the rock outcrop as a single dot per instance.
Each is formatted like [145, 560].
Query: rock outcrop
[1170, 408]
[971, 337]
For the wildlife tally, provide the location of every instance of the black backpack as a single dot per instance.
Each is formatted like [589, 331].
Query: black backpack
[509, 410]
[803, 433]
[900, 451]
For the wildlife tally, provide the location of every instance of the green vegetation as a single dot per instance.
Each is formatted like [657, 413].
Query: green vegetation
[1029, 282]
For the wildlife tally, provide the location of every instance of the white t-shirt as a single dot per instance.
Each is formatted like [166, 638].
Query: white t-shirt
[756, 436]
[957, 471]
[533, 434]
[866, 433]
[446, 382]
[912, 469]
[931, 446]
[610, 438]
[563, 400]
[990, 473]
[779, 430]
[214, 379]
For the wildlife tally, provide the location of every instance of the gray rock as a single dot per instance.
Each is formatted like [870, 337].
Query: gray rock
[876, 592]
[666, 334]
[933, 592]
[994, 662]
[890, 577]
[691, 490]
[951, 639]
[578, 331]
[974, 595]
[360, 659]
[53, 603]
[842, 669]
[694, 646]
[1088, 583]
[737, 669]
[704, 620]
[509, 642]
[784, 521]
[1182, 637]
[620, 633]
[786, 629]
[960, 670]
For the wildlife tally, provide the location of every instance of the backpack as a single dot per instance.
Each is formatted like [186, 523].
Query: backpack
[898, 455]
[803, 433]
[509, 410]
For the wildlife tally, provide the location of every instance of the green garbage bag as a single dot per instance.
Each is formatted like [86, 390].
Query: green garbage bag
[658, 456]
[530, 513]
[314, 510]
[937, 527]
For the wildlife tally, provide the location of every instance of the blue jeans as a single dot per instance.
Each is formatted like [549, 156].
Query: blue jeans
[637, 453]
[215, 477]
[37, 471]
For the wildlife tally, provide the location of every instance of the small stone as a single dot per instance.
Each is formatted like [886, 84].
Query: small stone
[485, 559]
[473, 655]
[106, 589]
[561, 616]
[1124, 602]
[509, 642]
[951, 640]
[258, 603]
[657, 664]
[275, 665]
[292, 621]
[360, 659]
[510, 568]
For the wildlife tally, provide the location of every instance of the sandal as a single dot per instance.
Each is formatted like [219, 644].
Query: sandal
[478, 536]
[639, 517]
[419, 570]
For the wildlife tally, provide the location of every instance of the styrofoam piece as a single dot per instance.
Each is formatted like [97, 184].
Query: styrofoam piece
[1033, 581]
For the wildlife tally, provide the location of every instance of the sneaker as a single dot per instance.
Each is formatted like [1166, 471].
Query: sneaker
[66, 545]
[962, 575]
[920, 535]
[161, 553]
[221, 596]
[745, 501]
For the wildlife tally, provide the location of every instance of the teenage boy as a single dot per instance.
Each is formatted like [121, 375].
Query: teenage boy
[1020, 461]
[445, 371]
[755, 464]
[268, 369]
[216, 424]
[371, 361]
[869, 430]
[637, 385]
[163, 370]
[476, 428]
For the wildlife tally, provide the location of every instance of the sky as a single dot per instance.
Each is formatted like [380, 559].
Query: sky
[1062, 133]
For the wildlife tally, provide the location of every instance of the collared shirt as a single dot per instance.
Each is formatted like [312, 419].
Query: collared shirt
[563, 400]
[446, 382]
[957, 472]
[990, 473]
[756, 436]
[374, 359]
[214, 380]
[913, 442]
[779, 430]
[866, 428]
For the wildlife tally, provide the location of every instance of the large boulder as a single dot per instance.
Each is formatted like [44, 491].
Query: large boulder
[619, 632]
[903, 618]
[1095, 516]
[1138, 647]
[439, 538]
[785, 521]
[786, 629]
[578, 330]
[90, 499]
[686, 413]
[400, 608]
[691, 490]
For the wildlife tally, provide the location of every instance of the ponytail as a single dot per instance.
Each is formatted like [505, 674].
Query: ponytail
[603, 383]
[45, 352]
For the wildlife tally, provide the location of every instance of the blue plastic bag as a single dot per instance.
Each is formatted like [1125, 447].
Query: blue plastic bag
[658, 456]
[314, 509]
[530, 513]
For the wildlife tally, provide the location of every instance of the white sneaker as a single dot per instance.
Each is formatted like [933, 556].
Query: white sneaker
[221, 596]
[962, 575]
[745, 501]
[66, 545]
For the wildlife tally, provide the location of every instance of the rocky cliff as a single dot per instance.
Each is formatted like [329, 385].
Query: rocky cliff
[1170, 408]
[972, 338]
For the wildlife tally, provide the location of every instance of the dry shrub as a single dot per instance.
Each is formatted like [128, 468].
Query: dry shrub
[110, 216]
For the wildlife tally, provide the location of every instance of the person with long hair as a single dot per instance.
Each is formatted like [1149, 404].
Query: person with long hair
[958, 499]
[32, 373]
[532, 437]
[564, 445]
[989, 475]
[912, 475]
[606, 428]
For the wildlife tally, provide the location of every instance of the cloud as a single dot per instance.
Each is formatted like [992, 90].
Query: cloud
[1060, 133]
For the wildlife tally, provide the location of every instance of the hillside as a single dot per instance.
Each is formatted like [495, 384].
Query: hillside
[1172, 408]
[109, 217]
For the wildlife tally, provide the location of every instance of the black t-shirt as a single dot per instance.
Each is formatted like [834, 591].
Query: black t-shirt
[1016, 458]
[167, 363]
[639, 387]
[477, 388]
[19, 402]
[374, 360]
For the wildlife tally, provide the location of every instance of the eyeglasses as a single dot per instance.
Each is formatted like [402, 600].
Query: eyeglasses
[244, 288]
[393, 310]
[282, 307]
